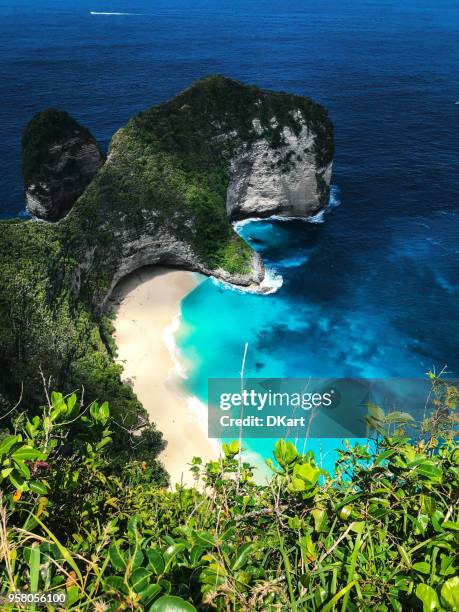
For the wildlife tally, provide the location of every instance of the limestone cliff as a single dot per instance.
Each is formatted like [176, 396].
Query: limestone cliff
[178, 173]
[60, 159]
[288, 180]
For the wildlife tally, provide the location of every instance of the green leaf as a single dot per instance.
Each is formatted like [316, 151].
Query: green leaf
[428, 597]
[139, 579]
[227, 534]
[117, 583]
[7, 443]
[205, 539]
[133, 526]
[156, 561]
[171, 552]
[385, 455]
[320, 519]
[307, 472]
[428, 504]
[358, 526]
[165, 585]
[196, 554]
[376, 412]
[243, 554]
[450, 593]
[149, 593]
[27, 453]
[104, 413]
[446, 565]
[171, 603]
[404, 555]
[22, 469]
[285, 453]
[297, 485]
[450, 525]
[34, 565]
[18, 481]
[71, 401]
[38, 487]
[422, 567]
[398, 417]
[231, 449]
[56, 398]
[308, 548]
[73, 595]
[117, 558]
[137, 558]
[428, 470]
[294, 523]
[330, 605]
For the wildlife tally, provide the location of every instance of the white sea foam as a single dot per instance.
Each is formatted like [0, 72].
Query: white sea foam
[333, 202]
[171, 345]
[197, 410]
[271, 282]
[319, 218]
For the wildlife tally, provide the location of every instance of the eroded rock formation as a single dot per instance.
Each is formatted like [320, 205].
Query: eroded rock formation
[60, 159]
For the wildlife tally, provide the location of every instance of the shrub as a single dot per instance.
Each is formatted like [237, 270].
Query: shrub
[380, 534]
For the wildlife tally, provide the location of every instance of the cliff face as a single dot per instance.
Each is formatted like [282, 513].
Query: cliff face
[60, 159]
[288, 180]
[178, 173]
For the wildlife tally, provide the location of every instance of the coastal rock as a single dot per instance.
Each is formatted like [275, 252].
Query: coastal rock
[284, 181]
[178, 174]
[165, 250]
[60, 159]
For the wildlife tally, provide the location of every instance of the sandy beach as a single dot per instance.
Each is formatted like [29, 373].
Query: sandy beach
[148, 306]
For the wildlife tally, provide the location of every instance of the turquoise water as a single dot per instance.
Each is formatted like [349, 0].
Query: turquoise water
[332, 316]
[290, 332]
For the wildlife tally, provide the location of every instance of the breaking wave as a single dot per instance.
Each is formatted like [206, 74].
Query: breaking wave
[271, 282]
[333, 202]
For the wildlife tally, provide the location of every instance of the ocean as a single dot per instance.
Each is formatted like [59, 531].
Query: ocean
[369, 288]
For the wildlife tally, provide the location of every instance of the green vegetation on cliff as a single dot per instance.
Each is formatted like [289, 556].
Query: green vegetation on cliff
[168, 171]
[380, 534]
[60, 159]
[44, 332]
[44, 129]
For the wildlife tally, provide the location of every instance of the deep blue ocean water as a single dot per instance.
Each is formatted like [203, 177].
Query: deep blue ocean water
[372, 290]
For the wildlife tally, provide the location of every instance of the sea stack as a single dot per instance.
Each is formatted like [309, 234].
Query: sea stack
[60, 159]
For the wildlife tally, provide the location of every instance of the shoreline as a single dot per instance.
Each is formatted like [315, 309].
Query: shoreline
[147, 307]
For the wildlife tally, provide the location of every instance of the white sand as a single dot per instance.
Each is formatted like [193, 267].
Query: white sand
[149, 304]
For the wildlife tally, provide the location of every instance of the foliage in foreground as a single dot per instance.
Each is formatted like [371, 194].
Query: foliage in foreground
[381, 534]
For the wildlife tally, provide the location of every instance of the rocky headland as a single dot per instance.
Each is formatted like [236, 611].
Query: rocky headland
[175, 178]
